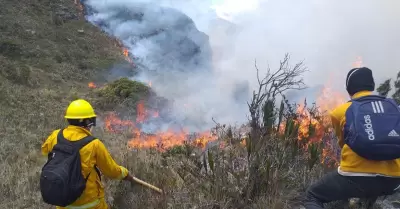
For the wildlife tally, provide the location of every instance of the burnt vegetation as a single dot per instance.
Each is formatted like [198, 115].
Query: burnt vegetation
[252, 166]
[49, 54]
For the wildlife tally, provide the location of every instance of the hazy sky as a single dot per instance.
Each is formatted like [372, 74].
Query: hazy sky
[329, 35]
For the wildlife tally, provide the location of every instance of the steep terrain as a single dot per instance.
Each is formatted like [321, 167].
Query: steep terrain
[159, 39]
[48, 54]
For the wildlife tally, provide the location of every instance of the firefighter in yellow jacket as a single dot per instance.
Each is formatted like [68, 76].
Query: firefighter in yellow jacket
[94, 156]
[356, 177]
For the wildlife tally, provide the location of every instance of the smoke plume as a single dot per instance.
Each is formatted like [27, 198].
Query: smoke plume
[201, 53]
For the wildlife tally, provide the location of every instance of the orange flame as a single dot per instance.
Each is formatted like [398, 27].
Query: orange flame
[141, 112]
[92, 85]
[327, 100]
[159, 140]
[304, 120]
[125, 52]
[116, 125]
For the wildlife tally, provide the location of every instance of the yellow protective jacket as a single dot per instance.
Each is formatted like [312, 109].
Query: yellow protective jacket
[350, 162]
[94, 153]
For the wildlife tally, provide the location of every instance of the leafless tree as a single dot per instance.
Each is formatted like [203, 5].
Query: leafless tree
[286, 77]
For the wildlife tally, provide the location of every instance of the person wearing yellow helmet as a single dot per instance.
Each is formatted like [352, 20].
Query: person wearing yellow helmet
[81, 113]
[71, 178]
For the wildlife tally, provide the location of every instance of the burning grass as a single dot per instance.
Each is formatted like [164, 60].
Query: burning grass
[216, 175]
[50, 56]
[228, 167]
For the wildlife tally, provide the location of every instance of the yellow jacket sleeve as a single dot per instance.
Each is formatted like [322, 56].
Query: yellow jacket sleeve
[47, 146]
[107, 165]
[338, 129]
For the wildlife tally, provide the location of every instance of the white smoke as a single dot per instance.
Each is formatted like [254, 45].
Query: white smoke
[329, 35]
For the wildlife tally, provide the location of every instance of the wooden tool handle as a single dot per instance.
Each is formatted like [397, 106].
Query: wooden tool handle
[147, 185]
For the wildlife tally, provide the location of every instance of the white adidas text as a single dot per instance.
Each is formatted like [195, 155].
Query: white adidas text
[368, 127]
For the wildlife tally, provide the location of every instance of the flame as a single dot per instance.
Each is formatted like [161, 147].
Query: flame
[125, 52]
[92, 85]
[203, 139]
[318, 129]
[304, 120]
[114, 124]
[141, 112]
[159, 140]
[326, 101]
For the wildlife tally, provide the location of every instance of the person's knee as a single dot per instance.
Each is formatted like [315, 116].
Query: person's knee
[310, 193]
[313, 194]
[311, 200]
[311, 189]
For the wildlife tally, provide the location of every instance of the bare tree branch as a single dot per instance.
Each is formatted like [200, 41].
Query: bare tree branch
[273, 84]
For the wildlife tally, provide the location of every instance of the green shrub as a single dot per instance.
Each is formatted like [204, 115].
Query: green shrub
[123, 91]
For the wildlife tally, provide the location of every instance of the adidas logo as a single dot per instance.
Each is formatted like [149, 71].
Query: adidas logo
[393, 133]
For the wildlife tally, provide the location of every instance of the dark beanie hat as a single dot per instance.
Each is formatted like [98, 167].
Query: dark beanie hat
[359, 79]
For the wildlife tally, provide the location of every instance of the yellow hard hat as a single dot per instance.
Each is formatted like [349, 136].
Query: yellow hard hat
[80, 109]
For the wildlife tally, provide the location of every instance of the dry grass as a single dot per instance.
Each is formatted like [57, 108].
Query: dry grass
[48, 55]
[44, 65]
[216, 178]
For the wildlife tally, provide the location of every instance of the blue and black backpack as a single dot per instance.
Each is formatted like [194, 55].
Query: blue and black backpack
[372, 128]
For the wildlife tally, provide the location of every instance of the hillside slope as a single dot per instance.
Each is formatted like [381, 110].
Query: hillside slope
[48, 53]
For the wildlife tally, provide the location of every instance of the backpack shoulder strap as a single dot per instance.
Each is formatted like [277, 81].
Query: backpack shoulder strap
[369, 98]
[60, 138]
[392, 101]
[84, 141]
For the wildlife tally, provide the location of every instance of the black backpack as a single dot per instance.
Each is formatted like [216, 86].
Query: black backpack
[61, 180]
